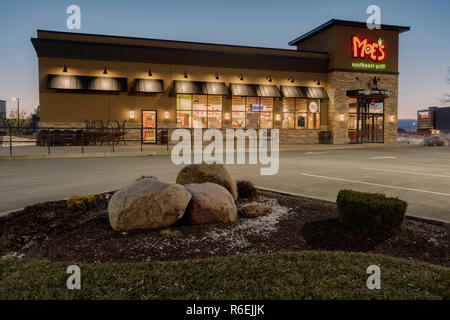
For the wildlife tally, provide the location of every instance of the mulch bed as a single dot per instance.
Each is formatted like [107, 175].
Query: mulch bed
[49, 231]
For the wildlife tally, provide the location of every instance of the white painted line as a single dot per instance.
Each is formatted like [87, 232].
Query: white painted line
[376, 184]
[387, 157]
[409, 172]
[316, 152]
[427, 165]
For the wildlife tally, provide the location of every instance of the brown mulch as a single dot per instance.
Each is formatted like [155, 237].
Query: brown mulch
[49, 231]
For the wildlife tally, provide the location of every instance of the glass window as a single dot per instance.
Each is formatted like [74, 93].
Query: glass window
[266, 113]
[288, 113]
[238, 113]
[252, 113]
[184, 111]
[300, 113]
[199, 111]
[215, 112]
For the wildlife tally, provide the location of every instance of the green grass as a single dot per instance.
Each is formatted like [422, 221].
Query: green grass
[300, 275]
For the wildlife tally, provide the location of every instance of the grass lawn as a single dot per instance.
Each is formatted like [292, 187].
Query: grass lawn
[299, 275]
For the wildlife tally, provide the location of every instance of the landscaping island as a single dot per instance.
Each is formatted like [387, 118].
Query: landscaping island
[278, 247]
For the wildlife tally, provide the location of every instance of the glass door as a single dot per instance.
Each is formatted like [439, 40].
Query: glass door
[149, 126]
[366, 120]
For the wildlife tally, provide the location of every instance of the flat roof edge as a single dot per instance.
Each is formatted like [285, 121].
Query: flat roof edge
[349, 23]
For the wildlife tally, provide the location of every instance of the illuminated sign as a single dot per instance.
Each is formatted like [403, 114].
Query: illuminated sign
[424, 114]
[362, 48]
[363, 65]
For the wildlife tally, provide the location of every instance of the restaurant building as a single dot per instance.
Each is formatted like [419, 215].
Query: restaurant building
[433, 118]
[340, 82]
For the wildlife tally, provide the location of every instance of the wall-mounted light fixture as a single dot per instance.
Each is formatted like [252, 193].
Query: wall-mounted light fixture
[392, 118]
[291, 80]
[185, 75]
[241, 77]
[105, 71]
[217, 76]
[131, 114]
[269, 78]
[342, 117]
[166, 115]
[278, 117]
[227, 116]
[65, 68]
[317, 81]
[150, 72]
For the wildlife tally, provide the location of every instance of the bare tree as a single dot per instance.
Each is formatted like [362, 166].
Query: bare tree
[446, 97]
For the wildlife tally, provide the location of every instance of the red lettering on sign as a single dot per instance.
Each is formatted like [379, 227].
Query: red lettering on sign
[361, 48]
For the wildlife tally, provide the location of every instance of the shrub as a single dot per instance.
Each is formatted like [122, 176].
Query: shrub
[170, 234]
[82, 203]
[246, 189]
[370, 211]
[254, 211]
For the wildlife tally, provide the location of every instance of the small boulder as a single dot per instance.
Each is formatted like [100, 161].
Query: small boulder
[147, 204]
[254, 211]
[210, 203]
[215, 173]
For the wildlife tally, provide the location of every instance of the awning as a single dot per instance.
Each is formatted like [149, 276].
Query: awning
[149, 85]
[293, 92]
[200, 87]
[315, 93]
[254, 90]
[85, 83]
[304, 92]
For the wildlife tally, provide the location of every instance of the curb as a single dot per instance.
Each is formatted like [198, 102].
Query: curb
[414, 218]
[167, 153]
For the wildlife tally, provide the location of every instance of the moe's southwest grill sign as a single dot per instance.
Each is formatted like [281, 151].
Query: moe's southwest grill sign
[373, 51]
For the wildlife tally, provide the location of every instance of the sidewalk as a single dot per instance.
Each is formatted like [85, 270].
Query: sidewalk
[34, 152]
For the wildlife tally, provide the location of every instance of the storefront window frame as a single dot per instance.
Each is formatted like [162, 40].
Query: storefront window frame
[305, 113]
[246, 111]
[191, 111]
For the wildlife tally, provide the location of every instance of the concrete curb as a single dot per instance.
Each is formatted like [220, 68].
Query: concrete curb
[167, 153]
[416, 218]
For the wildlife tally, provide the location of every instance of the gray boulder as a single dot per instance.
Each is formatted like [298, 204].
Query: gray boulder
[147, 204]
[210, 203]
[215, 173]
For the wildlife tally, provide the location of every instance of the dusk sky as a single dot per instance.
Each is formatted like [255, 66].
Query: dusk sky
[424, 51]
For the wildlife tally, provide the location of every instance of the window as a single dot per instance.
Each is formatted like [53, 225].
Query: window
[184, 111]
[252, 113]
[300, 114]
[199, 111]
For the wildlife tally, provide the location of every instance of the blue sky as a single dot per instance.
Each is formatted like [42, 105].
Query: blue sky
[424, 51]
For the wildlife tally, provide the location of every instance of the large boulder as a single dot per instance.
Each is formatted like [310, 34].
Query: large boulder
[215, 173]
[147, 204]
[210, 203]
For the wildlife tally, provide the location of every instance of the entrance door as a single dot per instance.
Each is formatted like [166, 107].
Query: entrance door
[366, 123]
[149, 126]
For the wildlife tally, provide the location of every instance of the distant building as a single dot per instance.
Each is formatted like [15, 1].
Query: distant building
[433, 118]
[2, 108]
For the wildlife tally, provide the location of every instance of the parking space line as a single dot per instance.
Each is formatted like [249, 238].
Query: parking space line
[376, 184]
[409, 172]
[428, 165]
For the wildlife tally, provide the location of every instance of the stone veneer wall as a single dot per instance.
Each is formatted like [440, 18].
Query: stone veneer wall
[338, 84]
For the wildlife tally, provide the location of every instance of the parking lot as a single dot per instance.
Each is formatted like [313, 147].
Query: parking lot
[418, 175]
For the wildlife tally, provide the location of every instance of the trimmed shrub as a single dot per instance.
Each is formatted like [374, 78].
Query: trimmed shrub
[246, 189]
[82, 203]
[370, 211]
[254, 211]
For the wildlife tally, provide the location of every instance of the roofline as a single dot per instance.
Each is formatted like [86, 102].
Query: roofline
[349, 23]
[176, 41]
